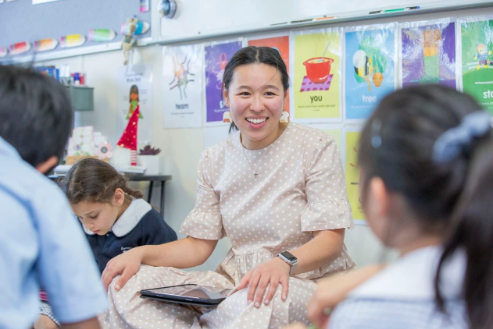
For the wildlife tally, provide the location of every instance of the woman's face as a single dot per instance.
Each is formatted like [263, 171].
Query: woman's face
[134, 96]
[256, 98]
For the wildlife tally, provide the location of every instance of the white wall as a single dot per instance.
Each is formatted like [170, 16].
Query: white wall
[181, 148]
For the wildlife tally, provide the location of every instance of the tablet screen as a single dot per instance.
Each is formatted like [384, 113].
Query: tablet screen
[192, 291]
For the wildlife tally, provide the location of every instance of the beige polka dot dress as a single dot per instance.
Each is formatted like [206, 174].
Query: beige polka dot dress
[299, 188]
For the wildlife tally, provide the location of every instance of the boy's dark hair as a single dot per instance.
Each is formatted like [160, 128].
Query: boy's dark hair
[94, 180]
[454, 197]
[35, 113]
[255, 55]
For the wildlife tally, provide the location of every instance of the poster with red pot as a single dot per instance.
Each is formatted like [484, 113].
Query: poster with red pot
[317, 75]
[281, 44]
[217, 56]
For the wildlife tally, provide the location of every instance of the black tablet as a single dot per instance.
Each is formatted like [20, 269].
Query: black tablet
[191, 294]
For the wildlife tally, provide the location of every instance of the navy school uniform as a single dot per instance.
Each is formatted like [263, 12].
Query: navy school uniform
[139, 225]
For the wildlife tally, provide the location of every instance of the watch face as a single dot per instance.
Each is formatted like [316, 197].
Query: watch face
[289, 256]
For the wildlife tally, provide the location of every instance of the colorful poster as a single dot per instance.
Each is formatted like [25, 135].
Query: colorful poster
[428, 53]
[216, 58]
[317, 76]
[135, 90]
[477, 55]
[351, 137]
[370, 68]
[182, 81]
[281, 44]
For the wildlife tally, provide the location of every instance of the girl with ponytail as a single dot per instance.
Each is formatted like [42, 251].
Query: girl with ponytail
[426, 159]
[114, 217]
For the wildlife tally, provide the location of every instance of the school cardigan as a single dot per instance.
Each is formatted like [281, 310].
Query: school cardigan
[139, 225]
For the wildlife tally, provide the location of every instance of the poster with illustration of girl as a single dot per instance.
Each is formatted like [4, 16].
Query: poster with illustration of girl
[429, 53]
[316, 88]
[135, 94]
[217, 56]
[281, 44]
[477, 59]
[370, 68]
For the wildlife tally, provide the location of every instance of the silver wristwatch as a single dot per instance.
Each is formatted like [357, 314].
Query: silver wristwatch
[290, 259]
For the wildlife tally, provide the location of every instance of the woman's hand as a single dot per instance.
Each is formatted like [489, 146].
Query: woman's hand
[126, 264]
[268, 274]
[333, 290]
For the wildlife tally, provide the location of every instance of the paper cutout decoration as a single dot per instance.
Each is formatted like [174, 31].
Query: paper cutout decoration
[20, 48]
[82, 142]
[45, 44]
[141, 28]
[101, 35]
[3, 52]
[144, 5]
[129, 136]
[72, 40]
[104, 150]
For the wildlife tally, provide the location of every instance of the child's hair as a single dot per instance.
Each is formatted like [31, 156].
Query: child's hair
[134, 89]
[255, 55]
[35, 114]
[94, 180]
[434, 146]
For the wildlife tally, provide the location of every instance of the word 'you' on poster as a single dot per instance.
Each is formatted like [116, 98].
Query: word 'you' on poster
[370, 69]
[317, 76]
[217, 56]
[135, 92]
[182, 81]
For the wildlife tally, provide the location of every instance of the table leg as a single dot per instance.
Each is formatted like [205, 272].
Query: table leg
[149, 196]
[162, 199]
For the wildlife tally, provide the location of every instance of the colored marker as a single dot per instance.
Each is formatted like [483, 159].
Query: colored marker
[325, 18]
[72, 40]
[45, 44]
[101, 35]
[20, 47]
[142, 27]
[3, 51]
[393, 10]
[144, 5]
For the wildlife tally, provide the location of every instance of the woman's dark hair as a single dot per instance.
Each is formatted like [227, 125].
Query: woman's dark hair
[94, 180]
[397, 143]
[134, 89]
[36, 115]
[255, 55]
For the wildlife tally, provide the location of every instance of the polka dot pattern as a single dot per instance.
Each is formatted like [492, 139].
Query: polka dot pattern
[300, 188]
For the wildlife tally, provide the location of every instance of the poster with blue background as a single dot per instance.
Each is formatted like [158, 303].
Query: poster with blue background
[370, 68]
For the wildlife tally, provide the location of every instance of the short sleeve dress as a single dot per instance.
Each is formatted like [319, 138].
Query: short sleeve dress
[266, 201]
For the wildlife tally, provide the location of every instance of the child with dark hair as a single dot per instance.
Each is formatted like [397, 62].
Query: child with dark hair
[41, 244]
[426, 159]
[114, 217]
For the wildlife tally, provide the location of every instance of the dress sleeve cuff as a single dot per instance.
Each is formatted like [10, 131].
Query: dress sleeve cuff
[327, 215]
[203, 225]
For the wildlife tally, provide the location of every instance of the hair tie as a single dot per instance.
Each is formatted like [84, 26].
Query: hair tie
[453, 141]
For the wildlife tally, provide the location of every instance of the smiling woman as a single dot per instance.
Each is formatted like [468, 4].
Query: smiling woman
[273, 189]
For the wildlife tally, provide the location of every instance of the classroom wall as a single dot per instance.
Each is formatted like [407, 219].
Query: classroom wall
[181, 148]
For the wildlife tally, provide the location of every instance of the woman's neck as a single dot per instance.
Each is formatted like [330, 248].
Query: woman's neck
[271, 138]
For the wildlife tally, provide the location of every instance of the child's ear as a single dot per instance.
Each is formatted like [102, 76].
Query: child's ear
[381, 197]
[118, 197]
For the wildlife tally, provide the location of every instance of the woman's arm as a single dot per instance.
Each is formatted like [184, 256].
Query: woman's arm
[324, 248]
[183, 253]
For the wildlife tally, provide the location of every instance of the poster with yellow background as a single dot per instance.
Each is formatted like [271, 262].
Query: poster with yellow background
[351, 138]
[316, 87]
